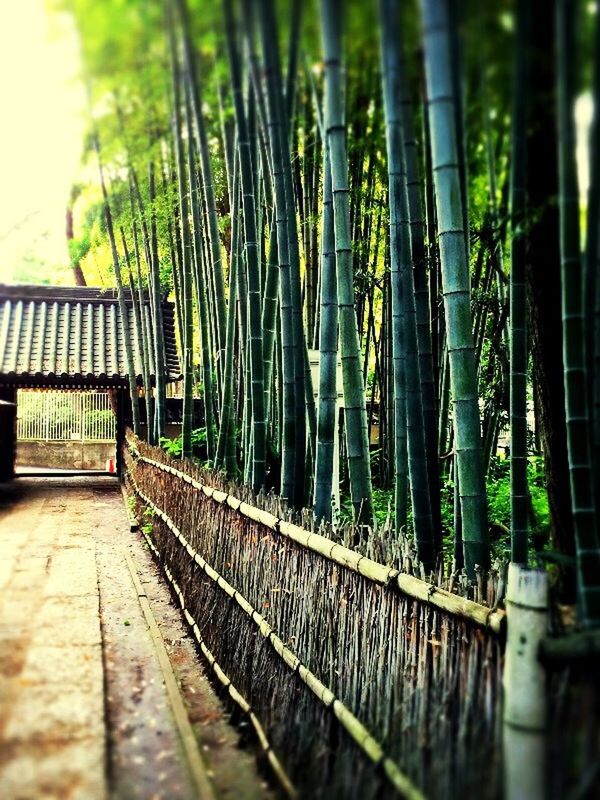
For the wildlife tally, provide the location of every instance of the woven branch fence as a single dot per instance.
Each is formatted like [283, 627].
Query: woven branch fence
[366, 681]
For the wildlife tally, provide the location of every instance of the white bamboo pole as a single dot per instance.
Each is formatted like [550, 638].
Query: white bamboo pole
[524, 683]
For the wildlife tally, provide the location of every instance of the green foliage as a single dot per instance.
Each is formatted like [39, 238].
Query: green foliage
[174, 447]
[383, 501]
[498, 492]
[447, 509]
[125, 61]
[78, 248]
[148, 526]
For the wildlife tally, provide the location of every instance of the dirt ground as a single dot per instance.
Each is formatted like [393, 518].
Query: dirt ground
[84, 712]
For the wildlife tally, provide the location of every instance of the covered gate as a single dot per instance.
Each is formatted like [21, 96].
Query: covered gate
[65, 429]
[59, 348]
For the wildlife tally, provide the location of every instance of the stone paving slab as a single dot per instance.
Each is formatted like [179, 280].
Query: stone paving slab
[72, 769]
[52, 730]
[57, 663]
[84, 714]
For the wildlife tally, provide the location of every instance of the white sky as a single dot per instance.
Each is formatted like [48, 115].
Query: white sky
[41, 134]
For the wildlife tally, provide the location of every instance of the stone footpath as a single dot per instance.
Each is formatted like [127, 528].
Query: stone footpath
[52, 741]
[84, 714]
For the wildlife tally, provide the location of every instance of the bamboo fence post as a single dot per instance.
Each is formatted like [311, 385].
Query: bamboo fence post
[524, 684]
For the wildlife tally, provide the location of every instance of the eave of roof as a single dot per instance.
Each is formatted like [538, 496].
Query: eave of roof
[64, 334]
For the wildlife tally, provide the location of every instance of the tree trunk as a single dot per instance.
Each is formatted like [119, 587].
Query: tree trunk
[76, 267]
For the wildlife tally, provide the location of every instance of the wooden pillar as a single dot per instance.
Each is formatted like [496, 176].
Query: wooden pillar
[8, 433]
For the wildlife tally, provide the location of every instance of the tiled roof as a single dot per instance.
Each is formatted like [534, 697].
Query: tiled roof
[73, 333]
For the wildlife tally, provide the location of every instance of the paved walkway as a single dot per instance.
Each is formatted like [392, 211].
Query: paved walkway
[84, 713]
[52, 740]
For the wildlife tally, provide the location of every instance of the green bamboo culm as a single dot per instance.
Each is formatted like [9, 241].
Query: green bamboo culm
[125, 323]
[279, 150]
[226, 447]
[396, 330]
[186, 250]
[285, 96]
[444, 432]
[283, 99]
[146, 346]
[202, 144]
[576, 389]
[591, 281]
[123, 312]
[302, 393]
[138, 347]
[355, 408]
[404, 331]
[422, 300]
[160, 403]
[518, 297]
[455, 282]
[328, 335]
[269, 314]
[254, 298]
[201, 294]
[140, 339]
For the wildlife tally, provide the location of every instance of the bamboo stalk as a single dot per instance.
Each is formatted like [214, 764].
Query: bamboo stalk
[443, 114]
[186, 249]
[327, 422]
[156, 315]
[201, 136]
[409, 402]
[359, 464]
[255, 353]
[123, 313]
[583, 507]
[518, 300]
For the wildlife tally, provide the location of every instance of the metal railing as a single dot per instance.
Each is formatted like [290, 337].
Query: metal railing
[59, 415]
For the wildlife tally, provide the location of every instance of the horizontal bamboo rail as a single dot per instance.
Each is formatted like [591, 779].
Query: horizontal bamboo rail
[491, 619]
[355, 729]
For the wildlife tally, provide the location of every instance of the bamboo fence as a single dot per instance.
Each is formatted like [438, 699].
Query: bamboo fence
[384, 684]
